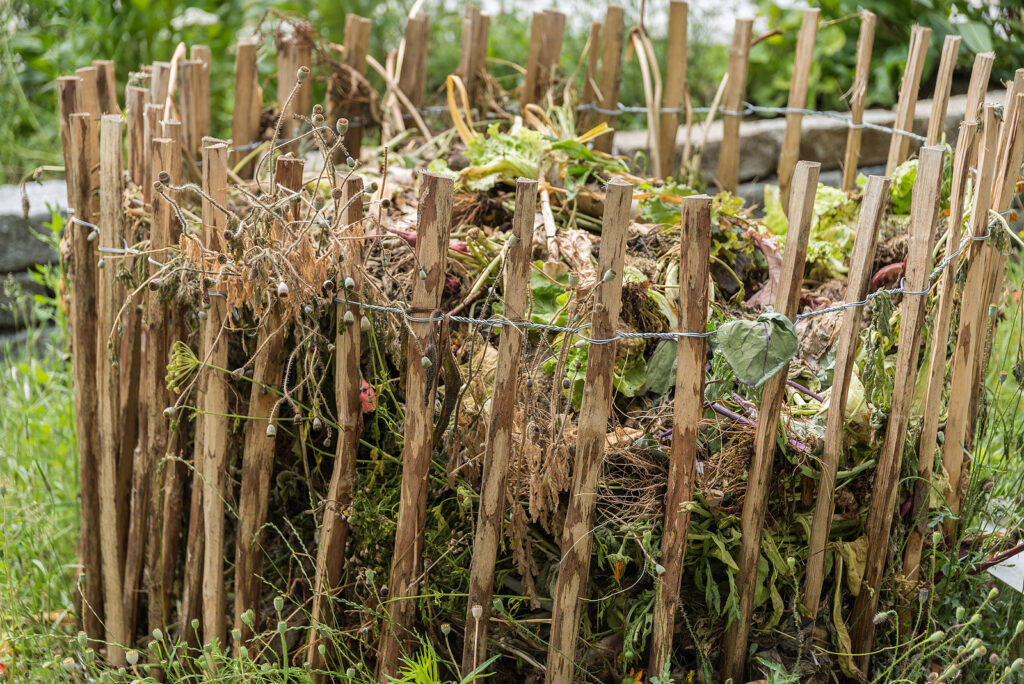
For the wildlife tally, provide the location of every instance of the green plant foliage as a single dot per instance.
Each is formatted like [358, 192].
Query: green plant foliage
[757, 349]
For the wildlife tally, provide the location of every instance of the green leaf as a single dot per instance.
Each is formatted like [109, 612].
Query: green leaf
[758, 349]
[977, 37]
[903, 186]
[661, 369]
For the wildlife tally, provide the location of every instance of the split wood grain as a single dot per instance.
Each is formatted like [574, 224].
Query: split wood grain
[135, 113]
[472, 60]
[152, 114]
[943, 83]
[976, 89]
[433, 226]
[248, 104]
[675, 84]
[755, 500]
[83, 155]
[694, 259]
[89, 88]
[547, 30]
[899, 145]
[802, 61]
[577, 539]
[214, 331]
[612, 37]
[728, 176]
[109, 302]
[69, 101]
[858, 96]
[876, 195]
[159, 82]
[194, 105]
[498, 447]
[357, 44]
[590, 85]
[936, 379]
[106, 86]
[924, 213]
[412, 78]
[347, 387]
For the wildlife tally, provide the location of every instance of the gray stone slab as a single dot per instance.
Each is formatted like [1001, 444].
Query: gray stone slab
[20, 249]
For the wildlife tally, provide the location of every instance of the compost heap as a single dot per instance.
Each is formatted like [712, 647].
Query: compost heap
[297, 265]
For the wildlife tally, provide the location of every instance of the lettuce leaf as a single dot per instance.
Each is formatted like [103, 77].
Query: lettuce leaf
[501, 155]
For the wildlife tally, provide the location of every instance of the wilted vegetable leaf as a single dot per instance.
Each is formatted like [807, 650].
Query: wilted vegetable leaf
[903, 186]
[757, 349]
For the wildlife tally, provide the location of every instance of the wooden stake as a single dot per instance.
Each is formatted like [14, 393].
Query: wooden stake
[858, 95]
[152, 115]
[729, 152]
[160, 82]
[110, 300]
[412, 79]
[82, 273]
[900, 144]
[876, 195]
[755, 500]
[589, 91]
[135, 111]
[69, 101]
[943, 83]
[577, 541]
[194, 102]
[980, 74]
[106, 86]
[797, 100]
[433, 227]
[357, 43]
[202, 53]
[472, 65]
[937, 358]
[923, 216]
[158, 323]
[245, 117]
[89, 89]
[546, 32]
[969, 331]
[613, 32]
[347, 388]
[215, 403]
[695, 249]
[498, 447]
[675, 83]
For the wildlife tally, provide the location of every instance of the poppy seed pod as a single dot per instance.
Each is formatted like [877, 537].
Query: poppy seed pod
[318, 108]
[271, 430]
[342, 127]
[350, 283]
[302, 74]
[350, 318]
[282, 290]
[364, 324]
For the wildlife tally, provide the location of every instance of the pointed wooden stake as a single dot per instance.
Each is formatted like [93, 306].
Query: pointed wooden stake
[858, 95]
[245, 116]
[755, 500]
[797, 100]
[89, 89]
[695, 247]
[106, 86]
[729, 153]
[472, 61]
[943, 83]
[612, 36]
[412, 79]
[675, 84]
[546, 33]
[916, 53]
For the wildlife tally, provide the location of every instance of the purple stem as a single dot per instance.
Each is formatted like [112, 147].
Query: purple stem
[800, 388]
[747, 406]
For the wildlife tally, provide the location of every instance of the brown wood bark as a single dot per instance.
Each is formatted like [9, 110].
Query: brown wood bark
[82, 274]
[89, 89]
[159, 82]
[675, 84]
[899, 145]
[472, 64]
[433, 227]
[194, 104]
[357, 44]
[728, 177]
[69, 101]
[135, 112]
[612, 37]
[943, 83]
[694, 259]
[923, 216]
[802, 61]
[412, 78]
[245, 116]
[858, 96]
[593, 59]
[755, 500]
[577, 539]
[347, 387]
[546, 32]
[106, 86]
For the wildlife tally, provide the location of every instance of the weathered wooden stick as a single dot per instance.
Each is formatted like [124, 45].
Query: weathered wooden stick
[135, 113]
[612, 36]
[980, 74]
[937, 357]
[412, 78]
[498, 447]
[546, 32]
[202, 53]
[158, 323]
[576, 541]
[245, 116]
[695, 250]
[675, 84]
[923, 216]
[152, 115]
[159, 82]
[593, 57]
[943, 83]
[194, 102]
[260, 441]
[89, 89]
[755, 500]
[916, 53]
[83, 155]
[106, 86]
[214, 407]
[876, 195]
[347, 387]
[858, 95]
[432, 229]
[357, 44]
[109, 300]
[293, 52]
[729, 153]
[472, 66]
[969, 331]
[69, 101]
[289, 175]
[790, 152]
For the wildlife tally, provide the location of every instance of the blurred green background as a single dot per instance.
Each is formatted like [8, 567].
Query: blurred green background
[43, 39]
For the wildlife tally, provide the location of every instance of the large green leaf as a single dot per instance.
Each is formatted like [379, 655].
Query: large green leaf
[757, 349]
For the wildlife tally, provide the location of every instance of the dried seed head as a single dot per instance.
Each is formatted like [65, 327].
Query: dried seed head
[446, 629]
[248, 617]
[350, 318]
[302, 74]
[132, 657]
[271, 430]
[102, 263]
[426, 362]
[222, 259]
[478, 611]
[364, 324]
[385, 203]
[202, 315]
[318, 108]
[282, 290]
[329, 285]
[318, 119]
[318, 425]
[278, 603]
[337, 194]
[342, 127]
[350, 283]
[158, 634]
